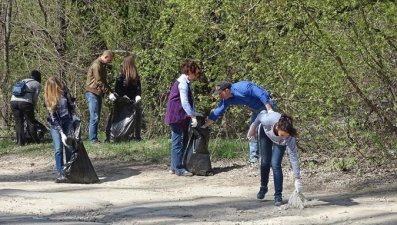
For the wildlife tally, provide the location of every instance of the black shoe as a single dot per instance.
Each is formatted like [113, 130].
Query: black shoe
[261, 193]
[278, 200]
[62, 179]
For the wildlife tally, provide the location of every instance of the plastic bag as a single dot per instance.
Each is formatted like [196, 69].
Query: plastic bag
[197, 159]
[121, 122]
[41, 130]
[79, 169]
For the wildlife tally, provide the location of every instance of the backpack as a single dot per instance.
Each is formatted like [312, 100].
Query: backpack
[19, 88]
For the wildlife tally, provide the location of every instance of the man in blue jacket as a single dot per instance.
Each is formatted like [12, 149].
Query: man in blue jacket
[242, 93]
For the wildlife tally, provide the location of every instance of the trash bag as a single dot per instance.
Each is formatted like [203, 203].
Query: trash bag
[121, 122]
[41, 130]
[79, 169]
[197, 158]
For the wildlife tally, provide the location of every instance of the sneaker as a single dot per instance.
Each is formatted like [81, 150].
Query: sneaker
[171, 171]
[186, 174]
[62, 179]
[97, 143]
[253, 160]
[278, 200]
[261, 193]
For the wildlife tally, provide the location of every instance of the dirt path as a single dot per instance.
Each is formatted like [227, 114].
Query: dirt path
[135, 193]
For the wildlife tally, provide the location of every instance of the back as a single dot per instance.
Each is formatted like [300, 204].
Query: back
[19, 89]
[32, 90]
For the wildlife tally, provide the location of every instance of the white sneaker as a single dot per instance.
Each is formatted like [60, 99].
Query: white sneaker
[171, 171]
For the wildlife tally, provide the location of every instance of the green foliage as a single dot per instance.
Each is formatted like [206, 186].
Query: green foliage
[329, 63]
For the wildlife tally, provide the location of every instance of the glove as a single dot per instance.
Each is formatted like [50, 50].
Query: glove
[203, 127]
[270, 110]
[194, 122]
[112, 97]
[137, 99]
[298, 185]
[63, 138]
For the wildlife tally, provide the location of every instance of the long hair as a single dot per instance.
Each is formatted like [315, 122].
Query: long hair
[129, 70]
[53, 91]
[285, 124]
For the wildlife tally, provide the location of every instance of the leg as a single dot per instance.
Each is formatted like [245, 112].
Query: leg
[265, 146]
[58, 149]
[138, 122]
[18, 116]
[28, 113]
[94, 105]
[177, 149]
[277, 157]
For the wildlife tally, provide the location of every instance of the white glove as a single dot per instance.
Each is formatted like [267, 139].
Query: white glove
[137, 99]
[112, 96]
[63, 138]
[298, 185]
[194, 122]
[203, 127]
[270, 110]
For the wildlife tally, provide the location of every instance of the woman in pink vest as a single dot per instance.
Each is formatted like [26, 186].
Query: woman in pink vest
[180, 112]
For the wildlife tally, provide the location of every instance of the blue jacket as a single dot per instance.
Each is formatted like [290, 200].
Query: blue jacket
[243, 93]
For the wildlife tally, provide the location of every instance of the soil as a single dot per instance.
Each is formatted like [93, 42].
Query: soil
[142, 193]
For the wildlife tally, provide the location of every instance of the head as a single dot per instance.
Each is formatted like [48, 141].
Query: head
[222, 89]
[53, 91]
[284, 126]
[191, 69]
[36, 75]
[107, 56]
[129, 69]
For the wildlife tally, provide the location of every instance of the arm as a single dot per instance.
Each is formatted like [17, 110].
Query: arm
[119, 85]
[262, 94]
[183, 90]
[293, 156]
[36, 95]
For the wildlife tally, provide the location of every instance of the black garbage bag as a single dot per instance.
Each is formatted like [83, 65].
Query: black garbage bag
[79, 169]
[41, 130]
[197, 158]
[121, 122]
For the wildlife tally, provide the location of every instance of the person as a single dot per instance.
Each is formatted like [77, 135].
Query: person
[96, 88]
[22, 108]
[180, 111]
[61, 109]
[242, 93]
[276, 133]
[128, 83]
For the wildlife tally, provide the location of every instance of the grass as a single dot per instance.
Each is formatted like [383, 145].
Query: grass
[153, 150]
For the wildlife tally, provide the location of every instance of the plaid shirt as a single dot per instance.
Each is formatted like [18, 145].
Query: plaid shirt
[175, 113]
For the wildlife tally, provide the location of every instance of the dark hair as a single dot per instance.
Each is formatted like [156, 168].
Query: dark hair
[190, 66]
[285, 124]
[36, 75]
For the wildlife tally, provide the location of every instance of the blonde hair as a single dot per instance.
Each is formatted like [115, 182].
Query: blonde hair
[129, 70]
[52, 93]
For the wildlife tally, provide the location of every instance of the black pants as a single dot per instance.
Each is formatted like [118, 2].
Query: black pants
[24, 111]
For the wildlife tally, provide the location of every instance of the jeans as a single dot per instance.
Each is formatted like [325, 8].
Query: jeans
[271, 156]
[24, 111]
[179, 141]
[253, 146]
[95, 107]
[67, 123]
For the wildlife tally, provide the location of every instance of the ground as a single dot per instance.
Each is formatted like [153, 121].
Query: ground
[141, 193]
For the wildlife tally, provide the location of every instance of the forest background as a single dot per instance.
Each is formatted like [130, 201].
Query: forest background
[331, 63]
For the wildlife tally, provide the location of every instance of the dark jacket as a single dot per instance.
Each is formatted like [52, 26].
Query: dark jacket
[131, 90]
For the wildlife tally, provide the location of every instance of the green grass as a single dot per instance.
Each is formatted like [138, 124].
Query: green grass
[153, 150]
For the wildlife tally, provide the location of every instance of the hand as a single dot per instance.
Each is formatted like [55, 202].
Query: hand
[298, 185]
[63, 138]
[137, 99]
[203, 127]
[270, 110]
[112, 97]
[194, 122]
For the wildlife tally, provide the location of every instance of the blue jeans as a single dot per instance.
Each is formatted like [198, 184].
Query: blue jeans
[271, 156]
[253, 146]
[179, 141]
[67, 124]
[95, 106]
